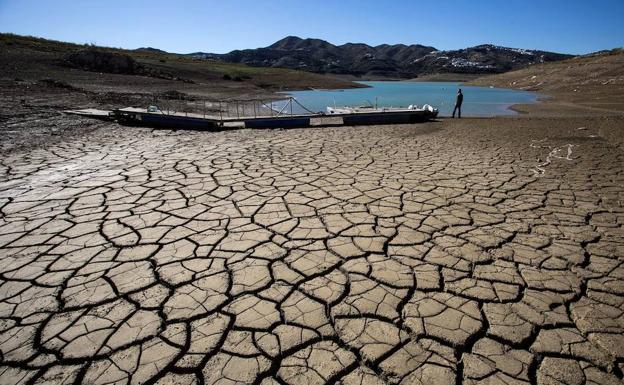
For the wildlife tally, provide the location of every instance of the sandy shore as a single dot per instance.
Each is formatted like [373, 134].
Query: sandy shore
[456, 251]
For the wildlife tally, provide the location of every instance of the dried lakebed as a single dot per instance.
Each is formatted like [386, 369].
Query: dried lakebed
[424, 254]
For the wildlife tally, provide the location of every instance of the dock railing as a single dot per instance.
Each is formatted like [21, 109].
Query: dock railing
[176, 103]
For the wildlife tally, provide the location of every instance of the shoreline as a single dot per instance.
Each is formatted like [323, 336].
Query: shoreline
[510, 107]
[28, 101]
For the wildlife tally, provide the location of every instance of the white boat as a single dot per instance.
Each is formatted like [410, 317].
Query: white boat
[383, 115]
[372, 109]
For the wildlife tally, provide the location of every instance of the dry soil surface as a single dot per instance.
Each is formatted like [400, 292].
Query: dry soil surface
[474, 251]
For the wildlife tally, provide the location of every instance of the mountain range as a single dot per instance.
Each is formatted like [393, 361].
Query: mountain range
[397, 61]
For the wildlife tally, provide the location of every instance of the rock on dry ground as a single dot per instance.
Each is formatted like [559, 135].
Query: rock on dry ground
[474, 252]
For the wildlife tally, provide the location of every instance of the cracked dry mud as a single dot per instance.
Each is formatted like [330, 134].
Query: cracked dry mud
[425, 254]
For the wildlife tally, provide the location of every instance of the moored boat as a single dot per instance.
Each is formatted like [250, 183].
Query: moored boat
[386, 115]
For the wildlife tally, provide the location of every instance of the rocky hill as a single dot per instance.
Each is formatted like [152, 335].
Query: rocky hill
[399, 60]
[30, 60]
[595, 81]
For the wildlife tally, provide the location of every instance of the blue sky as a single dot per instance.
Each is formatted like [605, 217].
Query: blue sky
[570, 26]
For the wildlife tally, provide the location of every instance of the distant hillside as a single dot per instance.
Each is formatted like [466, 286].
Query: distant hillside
[399, 60]
[145, 70]
[151, 49]
[594, 81]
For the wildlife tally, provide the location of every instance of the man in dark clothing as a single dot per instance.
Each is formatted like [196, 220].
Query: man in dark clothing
[458, 103]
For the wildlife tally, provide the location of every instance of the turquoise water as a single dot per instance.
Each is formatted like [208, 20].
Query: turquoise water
[478, 101]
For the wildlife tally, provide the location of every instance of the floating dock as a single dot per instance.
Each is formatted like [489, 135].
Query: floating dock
[156, 118]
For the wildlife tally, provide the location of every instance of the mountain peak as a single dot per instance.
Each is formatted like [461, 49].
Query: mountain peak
[295, 42]
[385, 60]
[150, 49]
[286, 43]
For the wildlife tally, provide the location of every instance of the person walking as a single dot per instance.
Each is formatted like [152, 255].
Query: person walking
[458, 103]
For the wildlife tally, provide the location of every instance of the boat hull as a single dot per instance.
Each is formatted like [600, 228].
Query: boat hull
[289, 122]
[360, 119]
[165, 121]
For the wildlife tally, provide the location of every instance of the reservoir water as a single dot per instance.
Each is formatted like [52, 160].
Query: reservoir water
[478, 101]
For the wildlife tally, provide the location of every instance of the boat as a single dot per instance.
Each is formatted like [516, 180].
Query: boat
[363, 115]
